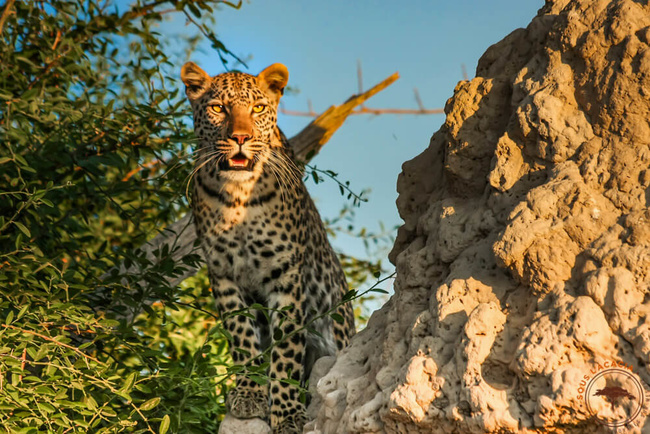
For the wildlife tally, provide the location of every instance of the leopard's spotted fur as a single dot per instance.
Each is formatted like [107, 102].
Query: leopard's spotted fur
[263, 239]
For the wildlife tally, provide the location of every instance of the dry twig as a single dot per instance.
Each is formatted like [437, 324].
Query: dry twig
[363, 110]
[5, 13]
[49, 339]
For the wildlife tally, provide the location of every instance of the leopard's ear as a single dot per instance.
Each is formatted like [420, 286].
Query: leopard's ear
[196, 80]
[273, 79]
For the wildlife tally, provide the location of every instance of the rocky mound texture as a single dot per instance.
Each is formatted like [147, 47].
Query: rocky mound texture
[524, 259]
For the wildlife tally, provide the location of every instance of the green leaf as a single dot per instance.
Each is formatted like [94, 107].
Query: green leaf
[262, 381]
[22, 311]
[47, 202]
[195, 11]
[23, 229]
[90, 402]
[129, 382]
[338, 318]
[164, 424]
[47, 408]
[21, 160]
[290, 381]
[142, 388]
[107, 411]
[151, 404]
[349, 295]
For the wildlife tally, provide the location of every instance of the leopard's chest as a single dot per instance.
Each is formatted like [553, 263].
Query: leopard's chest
[248, 244]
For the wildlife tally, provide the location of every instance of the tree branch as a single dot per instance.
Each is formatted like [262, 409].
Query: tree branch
[307, 143]
[370, 111]
[5, 13]
[363, 110]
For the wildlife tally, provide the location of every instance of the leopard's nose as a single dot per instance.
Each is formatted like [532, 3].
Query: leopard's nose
[240, 138]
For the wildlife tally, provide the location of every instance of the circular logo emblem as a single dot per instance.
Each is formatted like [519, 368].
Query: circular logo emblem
[615, 397]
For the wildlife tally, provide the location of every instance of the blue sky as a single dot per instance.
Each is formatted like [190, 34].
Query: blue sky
[321, 41]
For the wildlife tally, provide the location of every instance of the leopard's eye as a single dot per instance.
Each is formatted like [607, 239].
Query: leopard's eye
[259, 108]
[216, 108]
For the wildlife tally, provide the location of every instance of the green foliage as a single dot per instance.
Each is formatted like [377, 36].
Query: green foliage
[93, 162]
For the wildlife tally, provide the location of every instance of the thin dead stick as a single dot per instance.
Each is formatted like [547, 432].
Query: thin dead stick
[47, 338]
[23, 361]
[363, 110]
[5, 13]
[370, 111]
[310, 140]
[360, 78]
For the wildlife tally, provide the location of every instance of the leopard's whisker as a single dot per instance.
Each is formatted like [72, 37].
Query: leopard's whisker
[281, 182]
[280, 173]
[186, 156]
[288, 167]
[196, 169]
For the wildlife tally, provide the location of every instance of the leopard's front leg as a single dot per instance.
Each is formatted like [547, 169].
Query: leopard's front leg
[248, 399]
[287, 357]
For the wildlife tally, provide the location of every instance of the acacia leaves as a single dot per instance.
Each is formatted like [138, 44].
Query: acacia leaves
[92, 122]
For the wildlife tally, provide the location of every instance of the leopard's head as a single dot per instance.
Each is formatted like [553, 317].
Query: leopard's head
[235, 116]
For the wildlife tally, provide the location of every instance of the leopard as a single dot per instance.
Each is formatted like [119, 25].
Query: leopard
[264, 243]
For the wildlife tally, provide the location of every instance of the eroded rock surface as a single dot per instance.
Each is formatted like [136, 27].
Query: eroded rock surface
[232, 425]
[524, 258]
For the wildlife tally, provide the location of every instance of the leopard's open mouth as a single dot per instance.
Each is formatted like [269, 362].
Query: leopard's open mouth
[237, 162]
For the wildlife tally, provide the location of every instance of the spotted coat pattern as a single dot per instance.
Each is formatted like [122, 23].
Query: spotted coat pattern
[264, 241]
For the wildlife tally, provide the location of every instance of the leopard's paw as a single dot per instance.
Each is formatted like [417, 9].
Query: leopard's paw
[292, 424]
[247, 404]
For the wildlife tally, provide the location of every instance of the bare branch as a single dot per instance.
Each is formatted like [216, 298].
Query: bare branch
[360, 78]
[417, 98]
[49, 339]
[309, 113]
[5, 13]
[371, 111]
[310, 140]
[363, 110]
